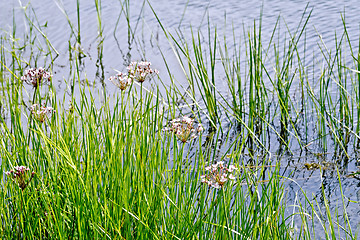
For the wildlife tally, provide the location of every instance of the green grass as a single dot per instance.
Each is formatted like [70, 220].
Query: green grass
[105, 169]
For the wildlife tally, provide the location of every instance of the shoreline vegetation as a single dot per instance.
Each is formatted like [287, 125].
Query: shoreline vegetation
[161, 162]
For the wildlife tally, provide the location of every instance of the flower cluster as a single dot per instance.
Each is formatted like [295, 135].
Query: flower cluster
[19, 175]
[136, 71]
[36, 76]
[121, 80]
[140, 70]
[184, 128]
[40, 113]
[218, 175]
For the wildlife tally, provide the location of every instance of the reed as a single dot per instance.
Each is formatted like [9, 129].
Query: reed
[107, 166]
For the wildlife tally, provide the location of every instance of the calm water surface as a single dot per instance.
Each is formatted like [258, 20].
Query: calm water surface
[180, 16]
[177, 15]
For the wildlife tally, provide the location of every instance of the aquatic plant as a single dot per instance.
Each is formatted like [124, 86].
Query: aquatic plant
[80, 193]
[121, 80]
[184, 128]
[36, 76]
[139, 71]
[218, 174]
[41, 113]
[20, 176]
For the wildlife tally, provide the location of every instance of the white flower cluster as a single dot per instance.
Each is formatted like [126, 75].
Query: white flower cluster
[184, 128]
[40, 113]
[19, 175]
[140, 70]
[36, 76]
[136, 71]
[218, 174]
[121, 80]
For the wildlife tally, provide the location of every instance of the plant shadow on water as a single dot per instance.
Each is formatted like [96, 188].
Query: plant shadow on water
[242, 134]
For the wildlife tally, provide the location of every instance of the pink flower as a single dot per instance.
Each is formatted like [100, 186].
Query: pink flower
[19, 175]
[36, 76]
[41, 113]
[231, 177]
[232, 168]
[183, 128]
[140, 70]
[121, 80]
[217, 175]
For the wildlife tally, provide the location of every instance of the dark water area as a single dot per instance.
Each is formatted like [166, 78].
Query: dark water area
[114, 48]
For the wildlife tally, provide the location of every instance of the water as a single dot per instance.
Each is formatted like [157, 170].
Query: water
[180, 16]
[175, 16]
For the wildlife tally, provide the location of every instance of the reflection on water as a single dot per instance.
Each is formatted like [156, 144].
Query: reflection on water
[100, 53]
[120, 45]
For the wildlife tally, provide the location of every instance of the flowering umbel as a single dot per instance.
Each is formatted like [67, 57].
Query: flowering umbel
[41, 113]
[140, 70]
[184, 128]
[137, 71]
[20, 175]
[218, 174]
[121, 80]
[36, 76]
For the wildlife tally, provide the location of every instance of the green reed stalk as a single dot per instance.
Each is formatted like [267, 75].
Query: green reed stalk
[78, 21]
[257, 94]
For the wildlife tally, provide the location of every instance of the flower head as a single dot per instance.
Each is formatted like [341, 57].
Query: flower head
[36, 76]
[121, 80]
[140, 70]
[184, 128]
[19, 175]
[41, 113]
[218, 174]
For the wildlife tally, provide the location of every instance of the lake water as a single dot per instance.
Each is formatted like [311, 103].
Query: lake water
[119, 48]
[176, 15]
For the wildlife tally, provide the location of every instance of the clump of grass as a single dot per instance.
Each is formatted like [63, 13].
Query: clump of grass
[106, 169]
